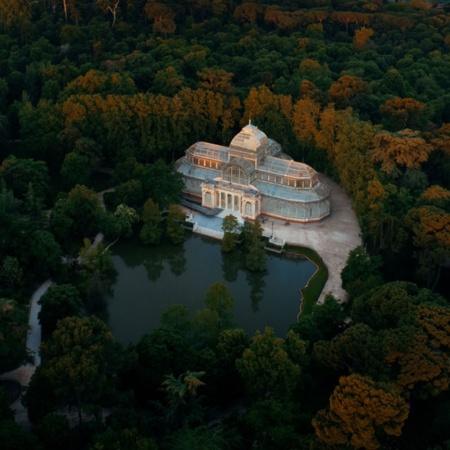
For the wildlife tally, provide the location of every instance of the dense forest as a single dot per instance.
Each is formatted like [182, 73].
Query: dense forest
[102, 94]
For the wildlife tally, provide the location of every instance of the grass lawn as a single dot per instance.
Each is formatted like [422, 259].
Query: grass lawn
[315, 285]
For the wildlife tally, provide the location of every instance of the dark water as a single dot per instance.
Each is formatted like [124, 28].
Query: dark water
[152, 278]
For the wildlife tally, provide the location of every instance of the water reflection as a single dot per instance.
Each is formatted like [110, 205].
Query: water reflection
[150, 279]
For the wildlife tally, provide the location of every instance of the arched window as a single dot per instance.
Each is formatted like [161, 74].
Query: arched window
[248, 209]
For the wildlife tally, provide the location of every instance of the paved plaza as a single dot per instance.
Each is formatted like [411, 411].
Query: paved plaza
[332, 239]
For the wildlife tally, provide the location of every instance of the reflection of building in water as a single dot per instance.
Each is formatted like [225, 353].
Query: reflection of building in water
[253, 177]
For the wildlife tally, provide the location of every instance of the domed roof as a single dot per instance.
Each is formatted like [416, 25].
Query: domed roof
[250, 139]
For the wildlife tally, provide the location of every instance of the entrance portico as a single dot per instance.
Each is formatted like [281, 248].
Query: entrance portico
[244, 200]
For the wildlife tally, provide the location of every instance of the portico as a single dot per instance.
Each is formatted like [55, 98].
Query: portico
[243, 200]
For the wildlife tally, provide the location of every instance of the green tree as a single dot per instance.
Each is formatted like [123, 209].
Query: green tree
[123, 220]
[325, 321]
[13, 334]
[165, 350]
[266, 367]
[96, 273]
[361, 272]
[54, 431]
[151, 231]
[77, 215]
[230, 226]
[255, 259]
[200, 438]
[42, 256]
[162, 183]
[76, 360]
[174, 226]
[57, 303]
[123, 439]
[75, 169]
[218, 298]
[18, 173]
[183, 405]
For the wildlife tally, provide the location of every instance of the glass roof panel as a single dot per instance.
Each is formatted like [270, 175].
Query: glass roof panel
[210, 151]
[287, 168]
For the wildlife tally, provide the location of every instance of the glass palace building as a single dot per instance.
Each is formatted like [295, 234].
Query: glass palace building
[251, 178]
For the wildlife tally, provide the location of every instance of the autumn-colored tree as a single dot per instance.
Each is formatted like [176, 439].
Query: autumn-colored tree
[399, 150]
[163, 17]
[248, 11]
[361, 37]
[216, 79]
[308, 90]
[14, 12]
[361, 413]
[312, 70]
[346, 91]
[400, 113]
[431, 237]
[436, 196]
[305, 120]
[442, 140]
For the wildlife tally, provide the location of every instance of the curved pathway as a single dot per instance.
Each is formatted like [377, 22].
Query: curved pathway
[23, 374]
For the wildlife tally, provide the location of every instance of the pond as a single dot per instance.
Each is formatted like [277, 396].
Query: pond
[152, 278]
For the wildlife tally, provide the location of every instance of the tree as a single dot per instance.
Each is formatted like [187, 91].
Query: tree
[174, 229]
[165, 350]
[230, 226]
[361, 272]
[110, 6]
[151, 231]
[248, 11]
[42, 256]
[218, 298]
[397, 150]
[76, 360]
[256, 256]
[123, 220]
[183, 404]
[266, 367]
[19, 173]
[401, 113]
[162, 183]
[200, 438]
[77, 215]
[361, 37]
[96, 273]
[347, 91]
[13, 12]
[431, 237]
[57, 303]
[361, 413]
[75, 169]
[325, 321]
[13, 334]
[216, 79]
[54, 431]
[122, 438]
